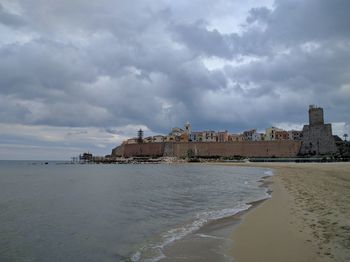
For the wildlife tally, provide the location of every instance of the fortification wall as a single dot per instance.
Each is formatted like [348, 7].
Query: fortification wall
[147, 149]
[278, 148]
[318, 140]
[118, 151]
[282, 148]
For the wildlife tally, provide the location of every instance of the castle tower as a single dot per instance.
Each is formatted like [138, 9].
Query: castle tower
[315, 115]
[317, 136]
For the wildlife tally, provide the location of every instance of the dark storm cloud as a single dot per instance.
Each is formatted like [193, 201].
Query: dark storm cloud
[198, 37]
[111, 64]
[291, 22]
[301, 50]
[9, 19]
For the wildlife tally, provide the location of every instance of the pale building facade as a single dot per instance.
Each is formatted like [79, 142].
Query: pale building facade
[281, 135]
[222, 136]
[257, 136]
[235, 138]
[158, 139]
[271, 133]
[295, 135]
[209, 136]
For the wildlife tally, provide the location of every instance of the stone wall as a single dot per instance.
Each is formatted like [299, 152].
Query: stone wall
[318, 140]
[147, 149]
[118, 151]
[316, 116]
[282, 148]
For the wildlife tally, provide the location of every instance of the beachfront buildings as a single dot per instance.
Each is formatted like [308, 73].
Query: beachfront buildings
[315, 139]
[281, 135]
[223, 136]
[270, 133]
[253, 135]
[295, 135]
[185, 135]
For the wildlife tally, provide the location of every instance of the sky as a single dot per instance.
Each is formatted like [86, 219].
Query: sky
[80, 75]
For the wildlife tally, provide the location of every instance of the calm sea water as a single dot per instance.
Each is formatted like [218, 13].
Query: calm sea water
[60, 212]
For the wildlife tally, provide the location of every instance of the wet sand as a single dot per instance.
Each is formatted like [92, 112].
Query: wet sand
[209, 243]
[307, 218]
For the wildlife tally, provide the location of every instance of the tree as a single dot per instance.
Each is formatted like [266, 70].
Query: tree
[345, 136]
[140, 136]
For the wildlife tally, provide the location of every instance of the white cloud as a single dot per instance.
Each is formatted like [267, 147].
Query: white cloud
[60, 143]
[341, 128]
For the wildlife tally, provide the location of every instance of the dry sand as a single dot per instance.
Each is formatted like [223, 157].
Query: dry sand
[307, 218]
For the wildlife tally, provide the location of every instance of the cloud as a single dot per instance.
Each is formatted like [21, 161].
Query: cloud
[112, 65]
[9, 19]
[31, 141]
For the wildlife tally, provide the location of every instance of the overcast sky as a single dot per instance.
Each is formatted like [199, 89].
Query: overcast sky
[79, 75]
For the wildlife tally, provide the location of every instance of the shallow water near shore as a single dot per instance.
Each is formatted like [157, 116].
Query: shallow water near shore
[68, 212]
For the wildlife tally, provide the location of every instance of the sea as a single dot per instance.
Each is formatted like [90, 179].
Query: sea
[57, 211]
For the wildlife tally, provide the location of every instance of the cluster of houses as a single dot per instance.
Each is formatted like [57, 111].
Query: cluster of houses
[187, 135]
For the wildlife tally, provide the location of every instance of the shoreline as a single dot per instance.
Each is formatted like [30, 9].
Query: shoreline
[306, 219]
[212, 240]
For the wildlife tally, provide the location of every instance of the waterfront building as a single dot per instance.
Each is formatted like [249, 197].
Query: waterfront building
[170, 138]
[295, 135]
[148, 139]
[248, 135]
[257, 136]
[271, 133]
[158, 139]
[209, 136]
[281, 135]
[176, 131]
[222, 136]
[196, 137]
[184, 138]
[235, 138]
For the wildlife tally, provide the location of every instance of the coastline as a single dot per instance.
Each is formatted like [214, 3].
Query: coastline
[306, 219]
[211, 241]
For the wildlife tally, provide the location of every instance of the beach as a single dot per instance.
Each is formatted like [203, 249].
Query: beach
[306, 219]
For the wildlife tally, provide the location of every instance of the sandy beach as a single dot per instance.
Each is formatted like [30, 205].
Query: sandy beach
[307, 218]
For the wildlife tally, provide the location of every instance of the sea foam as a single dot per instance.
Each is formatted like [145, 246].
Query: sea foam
[182, 231]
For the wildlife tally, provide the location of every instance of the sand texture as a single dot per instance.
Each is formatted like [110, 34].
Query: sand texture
[307, 218]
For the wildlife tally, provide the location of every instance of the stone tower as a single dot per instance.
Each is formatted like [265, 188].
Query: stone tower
[317, 136]
[315, 115]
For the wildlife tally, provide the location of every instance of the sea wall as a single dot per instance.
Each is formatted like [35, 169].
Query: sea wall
[146, 149]
[118, 151]
[278, 148]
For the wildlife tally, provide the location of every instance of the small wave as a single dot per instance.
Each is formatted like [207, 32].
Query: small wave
[136, 256]
[210, 236]
[154, 252]
[268, 173]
